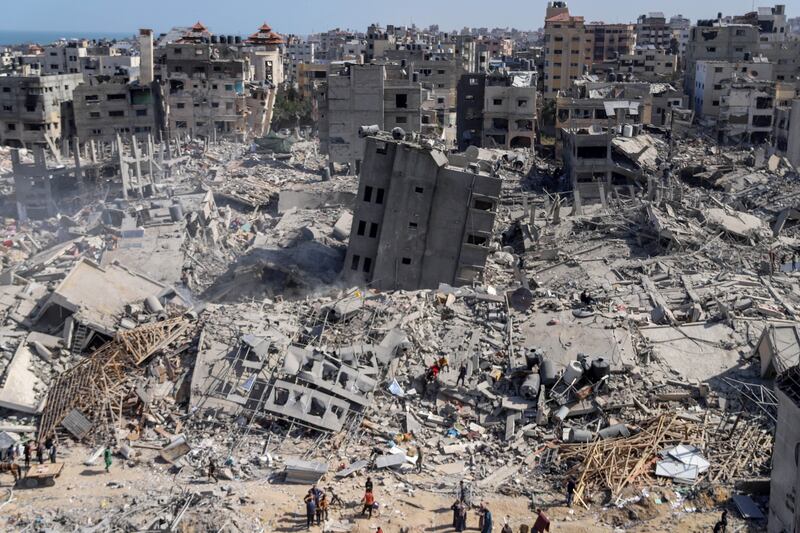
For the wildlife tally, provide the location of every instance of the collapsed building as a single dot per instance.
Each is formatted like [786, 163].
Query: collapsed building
[418, 220]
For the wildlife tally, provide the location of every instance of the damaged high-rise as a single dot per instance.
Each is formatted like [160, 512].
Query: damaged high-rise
[419, 221]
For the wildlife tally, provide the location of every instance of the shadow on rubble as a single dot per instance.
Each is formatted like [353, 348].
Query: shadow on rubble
[292, 273]
[292, 522]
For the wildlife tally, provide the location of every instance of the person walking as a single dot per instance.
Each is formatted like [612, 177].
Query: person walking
[26, 451]
[369, 503]
[107, 458]
[462, 375]
[212, 471]
[368, 485]
[322, 509]
[722, 525]
[571, 486]
[40, 452]
[487, 520]
[52, 452]
[459, 515]
[311, 509]
[419, 459]
[542, 524]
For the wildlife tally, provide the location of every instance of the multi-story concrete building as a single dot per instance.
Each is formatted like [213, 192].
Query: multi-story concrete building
[709, 87]
[652, 29]
[681, 30]
[611, 41]
[64, 58]
[509, 112]
[648, 63]
[105, 108]
[217, 85]
[299, 52]
[569, 48]
[419, 221]
[784, 485]
[469, 122]
[746, 110]
[713, 40]
[787, 131]
[592, 102]
[265, 51]
[364, 95]
[34, 108]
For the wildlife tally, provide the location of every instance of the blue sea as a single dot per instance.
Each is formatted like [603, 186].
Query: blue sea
[11, 37]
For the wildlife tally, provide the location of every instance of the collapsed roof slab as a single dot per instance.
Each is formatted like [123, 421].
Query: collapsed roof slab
[97, 296]
[19, 391]
[306, 406]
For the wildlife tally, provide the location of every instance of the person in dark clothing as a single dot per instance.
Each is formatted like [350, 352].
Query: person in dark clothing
[462, 375]
[311, 509]
[571, 485]
[212, 471]
[368, 485]
[419, 459]
[52, 452]
[322, 509]
[335, 499]
[40, 453]
[459, 516]
[27, 453]
[722, 525]
[11, 453]
[487, 521]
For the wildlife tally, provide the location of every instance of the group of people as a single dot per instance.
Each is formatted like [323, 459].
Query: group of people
[29, 450]
[440, 365]
[316, 506]
[485, 519]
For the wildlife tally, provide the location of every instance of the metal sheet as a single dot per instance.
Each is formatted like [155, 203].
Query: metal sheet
[747, 507]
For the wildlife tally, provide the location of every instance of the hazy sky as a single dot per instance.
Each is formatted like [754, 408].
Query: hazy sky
[307, 16]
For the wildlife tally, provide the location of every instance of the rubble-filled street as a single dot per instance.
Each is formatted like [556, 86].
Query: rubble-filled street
[403, 280]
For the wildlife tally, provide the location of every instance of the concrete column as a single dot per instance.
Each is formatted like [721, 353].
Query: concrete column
[78, 171]
[123, 168]
[138, 165]
[150, 159]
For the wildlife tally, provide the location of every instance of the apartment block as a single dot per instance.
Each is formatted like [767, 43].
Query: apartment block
[470, 97]
[35, 107]
[569, 48]
[746, 110]
[509, 113]
[648, 63]
[709, 77]
[652, 29]
[611, 41]
[787, 131]
[713, 40]
[105, 108]
[419, 221]
[364, 95]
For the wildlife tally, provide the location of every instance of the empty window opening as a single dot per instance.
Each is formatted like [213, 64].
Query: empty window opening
[367, 193]
[362, 227]
[367, 264]
[373, 230]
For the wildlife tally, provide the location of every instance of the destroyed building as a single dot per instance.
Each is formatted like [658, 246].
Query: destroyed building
[442, 232]
[785, 478]
[107, 107]
[497, 110]
[36, 108]
[387, 95]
